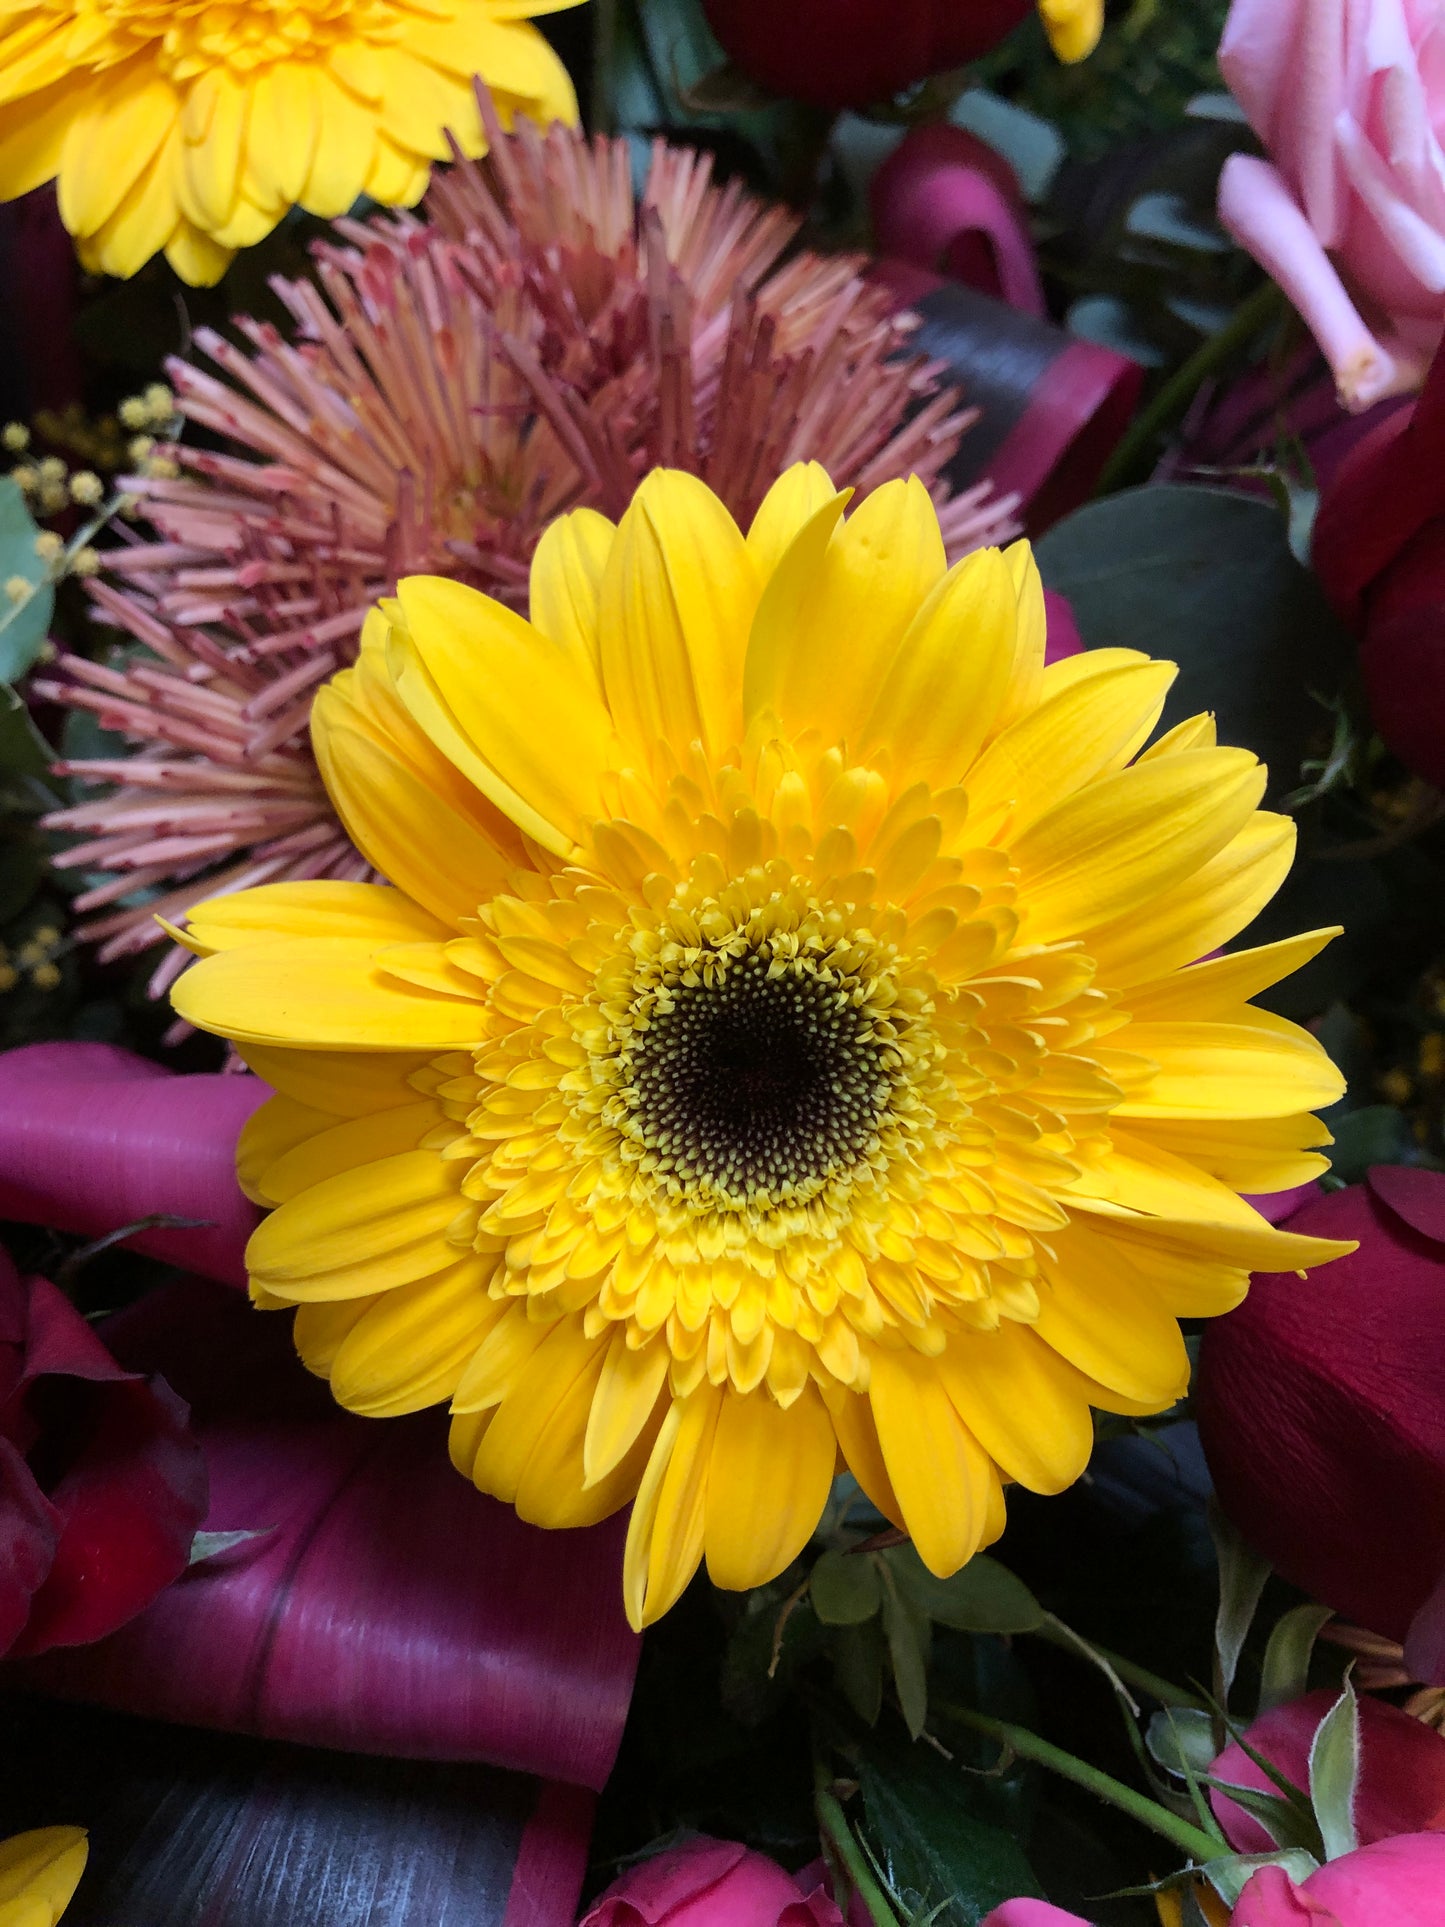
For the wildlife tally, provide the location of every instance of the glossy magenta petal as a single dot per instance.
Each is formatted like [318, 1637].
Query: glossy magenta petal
[1063, 632]
[1321, 1406]
[712, 1883]
[946, 201]
[1394, 1883]
[93, 1138]
[1402, 1770]
[1032, 1913]
[389, 1609]
[102, 1485]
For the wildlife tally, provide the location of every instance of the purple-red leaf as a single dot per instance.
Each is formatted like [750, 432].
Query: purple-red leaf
[93, 1138]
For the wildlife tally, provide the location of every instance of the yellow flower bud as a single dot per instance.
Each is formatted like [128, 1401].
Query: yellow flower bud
[134, 412]
[48, 545]
[46, 976]
[17, 589]
[15, 436]
[85, 562]
[87, 488]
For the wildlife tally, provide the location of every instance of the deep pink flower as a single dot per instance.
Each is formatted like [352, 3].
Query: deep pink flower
[1348, 214]
[1401, 1786]
[1379, 548]
[102, 1485]
[1394, 1883]
[711, 1883]
[1322, 1410]
[848, 53]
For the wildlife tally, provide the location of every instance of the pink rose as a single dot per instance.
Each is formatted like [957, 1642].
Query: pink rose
[1348, 214]
[711, 1883]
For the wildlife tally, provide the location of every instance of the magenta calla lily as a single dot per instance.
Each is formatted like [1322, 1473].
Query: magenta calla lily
[93, 1138]
[102, 1485]
[945, 200]
[386, 1607]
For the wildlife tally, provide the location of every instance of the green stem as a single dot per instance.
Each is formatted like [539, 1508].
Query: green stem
[1158, 1688]
[1175, 396]
[839, 1835]
[1192, 1840]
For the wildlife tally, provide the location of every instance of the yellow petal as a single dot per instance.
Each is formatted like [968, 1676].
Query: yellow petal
[318, 994]
[284, 127]
[331, 1148]
[665, 1534]
[938, 1470]
[1217, 988]
[1193, 917]
[627, 1395]
[271, 910]
[1084, 728]
[114, 137]
[789, 505]
[1025, 1405]
[1252, 1155]
[823, 658]
[1136, 1176]
[1117, 845]
[1264, 1068]
[677, 601]
[342, 149]
[408, 1349]
[770, 1478]
[1074, 27]
[344, 1083]
[368, 1229]
[553, 1490]
[515, 711]
[1103, 1319]
[567, 573]
[43, 1867]
[953, 670]
[852, 1417]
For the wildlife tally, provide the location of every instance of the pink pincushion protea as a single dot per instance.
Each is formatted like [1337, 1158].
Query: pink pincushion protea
[449, 388]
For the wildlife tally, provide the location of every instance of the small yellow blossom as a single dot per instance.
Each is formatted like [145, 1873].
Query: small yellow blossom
[48, 935]
[140, 446]
[160, 402]
[24, 478]
[86, 562]
[48, 545]
[1396, 1087]
[17, 589]
[86, 488]
[133, 412]
[52, 469]
[9, 977]
[46, 976]
[15, 436]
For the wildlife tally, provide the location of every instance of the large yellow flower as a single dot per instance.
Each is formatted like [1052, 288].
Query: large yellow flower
[193, 126]
[776, 1045]
[39, 1873]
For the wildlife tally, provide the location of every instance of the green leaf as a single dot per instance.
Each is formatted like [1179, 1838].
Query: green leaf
[984, 1597]
[1335, 1774]
[23, 750]
[1286, 1672]
[1167, 217]
[1288, 1822]
[845, 1588]
[933, 1849]
[1033, 147]
[858, 1668]
[23, 624]
[907, 1632]
[210, 1545]
[1242, 1574]
[1374, 1134]
[1206, 579]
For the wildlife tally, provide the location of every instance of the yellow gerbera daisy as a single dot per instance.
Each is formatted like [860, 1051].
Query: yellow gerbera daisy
[192, 127]
[39, 1873]
[776, 1044]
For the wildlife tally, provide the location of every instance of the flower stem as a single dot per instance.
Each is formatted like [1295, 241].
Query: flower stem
[837, 1834]
[1127, 463]
[1192, 1840]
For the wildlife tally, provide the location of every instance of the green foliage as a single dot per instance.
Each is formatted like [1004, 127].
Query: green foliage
[24, 617]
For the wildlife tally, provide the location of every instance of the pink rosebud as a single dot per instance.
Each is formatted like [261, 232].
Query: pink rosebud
[1322, 1406]
[712, 1883]
[1401, 1786]
[1031, 1913]
[1347, 214]
[1394, 1883]
[102, 1486]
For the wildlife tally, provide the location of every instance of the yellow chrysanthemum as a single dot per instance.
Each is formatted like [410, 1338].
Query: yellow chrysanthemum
[39, 1873]
[192, 127]
[1073, 26]
[776, 1043]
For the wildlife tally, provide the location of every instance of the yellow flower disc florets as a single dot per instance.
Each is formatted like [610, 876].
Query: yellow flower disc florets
[787, 1037]
[191, 127]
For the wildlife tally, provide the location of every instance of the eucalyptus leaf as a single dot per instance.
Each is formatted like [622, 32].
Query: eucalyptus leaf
[933, 1848]
[845, 1588]
[23, 750]
[1205, 578]
[984, 1597]
[1242, 1574]
[858, 1668]
[1286, 1672]
[907, 1632]
[1167, 217]
[1289, 1823]
[24, 620]
[1335, 1774]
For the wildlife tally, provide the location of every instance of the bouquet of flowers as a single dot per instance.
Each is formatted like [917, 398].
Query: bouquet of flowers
[722, 978]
